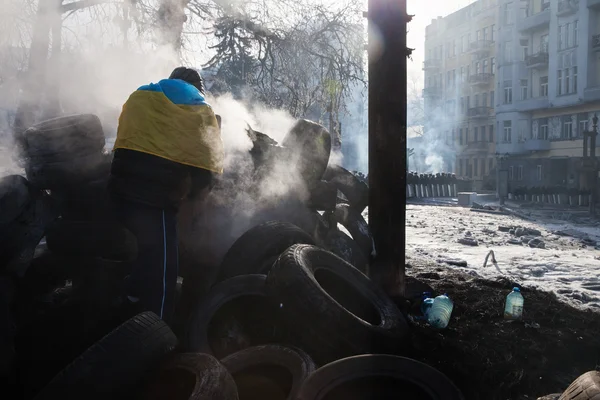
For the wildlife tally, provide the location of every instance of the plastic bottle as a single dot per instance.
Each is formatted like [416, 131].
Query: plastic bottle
[513, 308]
[439, 314]
[427, 303]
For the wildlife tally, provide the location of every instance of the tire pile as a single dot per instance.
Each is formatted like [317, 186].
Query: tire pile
[292, 314]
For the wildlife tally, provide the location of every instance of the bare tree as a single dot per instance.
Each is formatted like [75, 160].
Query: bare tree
[415, 106]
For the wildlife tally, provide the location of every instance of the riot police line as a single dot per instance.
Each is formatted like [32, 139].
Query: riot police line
[432, 185]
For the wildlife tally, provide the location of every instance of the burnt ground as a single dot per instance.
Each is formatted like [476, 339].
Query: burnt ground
[490, 358]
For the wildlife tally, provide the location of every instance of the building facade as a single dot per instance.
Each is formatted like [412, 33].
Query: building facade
[548, 85]
[460, 91]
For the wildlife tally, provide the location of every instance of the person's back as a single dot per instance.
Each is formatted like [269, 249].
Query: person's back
[168, 147]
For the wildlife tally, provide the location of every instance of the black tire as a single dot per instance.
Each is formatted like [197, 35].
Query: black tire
[115, 364]
[14, 198]
[586, 387]
[63, 136]
[237, 303]
[89, 201]
[73, 171]
[354, 222]
[376, 376]
[311, 143]
[323, 196]
[355, 190]
[269, 372]
[315, 287]
[346, 248]
[108, 240]
[257, 249]
[192, 376]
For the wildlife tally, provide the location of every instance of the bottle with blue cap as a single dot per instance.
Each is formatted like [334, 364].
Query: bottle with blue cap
[426, 303]
[438, 315]
[513, 309]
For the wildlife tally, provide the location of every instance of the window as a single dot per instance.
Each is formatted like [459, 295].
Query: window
[520, 173]
[475, 164]
[524, 49]
[491, 134]
[477, 100]
[463, 44]
[493, 33]
[469, 38]
[511, 174]
[460, 136]
[561, 39]
[493, 65]
[507, 52]
[567, 80]
[484, 99]
[468, 102]
[544, 43]
[477, 35]
[583, 124]
[524, 89]
[466, 135]
[491, 165]
[539, 172]
[507, 92]
[460, 167]
[462, 105]
[492, 104]
[543, 133]
[559, 83]
[485, 33]
[482, 161]
[567, 40]
[575, 33]
[454, 48]
[567, 131]
[574, 88]
[485, 66]
[507, 131]
[476, 134]
[482, 137]
[508, 14]
[477, 67]
[543, 86]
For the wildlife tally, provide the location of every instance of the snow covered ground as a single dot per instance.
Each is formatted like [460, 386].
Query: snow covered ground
[567, 265]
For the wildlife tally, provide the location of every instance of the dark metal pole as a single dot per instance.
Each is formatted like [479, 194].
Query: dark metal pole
[387, 140]
[594, 172]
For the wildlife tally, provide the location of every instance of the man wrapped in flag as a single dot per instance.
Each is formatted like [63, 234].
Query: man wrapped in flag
[167, 150]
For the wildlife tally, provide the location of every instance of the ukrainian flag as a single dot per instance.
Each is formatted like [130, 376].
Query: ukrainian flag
[171, 119]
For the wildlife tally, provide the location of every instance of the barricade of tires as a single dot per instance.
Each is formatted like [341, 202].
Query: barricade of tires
[292, 314]
[432, 185]
[552, 195]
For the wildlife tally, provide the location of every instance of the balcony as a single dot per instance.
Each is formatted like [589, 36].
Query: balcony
[432, 91]
[567, 7]
[510, 148]
[481, 79]
[593, 4]
[535, 21]
[537, 145]
[596, 42]
[537, 61]
[476, 147]
[479, 112]
[432, 64]
[591, 94]
[533, 103]
[480, 47]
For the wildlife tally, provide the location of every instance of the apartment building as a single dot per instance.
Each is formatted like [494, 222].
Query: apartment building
[459, 92]
[548, 86]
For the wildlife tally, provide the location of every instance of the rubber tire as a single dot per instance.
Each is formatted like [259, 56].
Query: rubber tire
[346, 248]
[329, 330]
[14, 198]
[64, 174]
[245, 285]
[428, 379]
[586, 387]
[105, 239]
[64, 136]
[311, 143]
[257, 249]
[295, 361]
[213, 380]
[355, 190]
[354, 222]
[116, 363]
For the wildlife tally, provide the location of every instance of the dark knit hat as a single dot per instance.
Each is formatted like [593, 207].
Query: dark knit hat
[188, 75]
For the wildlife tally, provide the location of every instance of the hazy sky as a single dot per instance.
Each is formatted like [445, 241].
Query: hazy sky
[425, 11]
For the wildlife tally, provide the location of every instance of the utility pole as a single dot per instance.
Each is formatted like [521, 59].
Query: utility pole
[387, 140]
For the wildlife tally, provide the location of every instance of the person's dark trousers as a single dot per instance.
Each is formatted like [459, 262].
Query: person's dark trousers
[153, 275]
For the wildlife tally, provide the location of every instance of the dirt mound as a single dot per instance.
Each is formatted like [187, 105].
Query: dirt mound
[490, 358]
